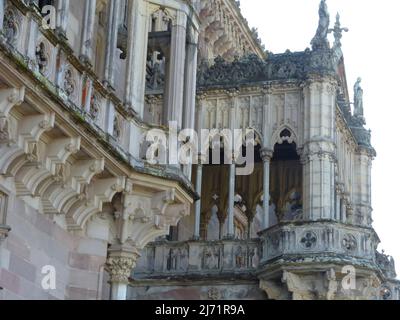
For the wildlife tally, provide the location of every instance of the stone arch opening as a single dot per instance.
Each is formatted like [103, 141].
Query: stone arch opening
[286, 180]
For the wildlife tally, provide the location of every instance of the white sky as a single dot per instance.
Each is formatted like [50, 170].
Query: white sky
[371, 50]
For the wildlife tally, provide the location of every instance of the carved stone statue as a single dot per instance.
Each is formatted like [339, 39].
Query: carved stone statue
[358, 99]
[320, 41]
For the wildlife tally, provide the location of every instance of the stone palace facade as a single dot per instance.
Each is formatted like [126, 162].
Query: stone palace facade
[84, 213]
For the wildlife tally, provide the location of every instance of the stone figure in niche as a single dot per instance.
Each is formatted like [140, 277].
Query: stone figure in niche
[69, 86]
[4, 130]
[240, 258]
[172, 262]
[41, 58]
[183, 259]
[211, 258]
[155, 74]
[117, 128]
[320, 41]
[10, 27]
[94, 107]
[358, 99]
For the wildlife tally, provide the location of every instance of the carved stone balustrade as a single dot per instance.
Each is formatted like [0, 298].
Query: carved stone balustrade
[198, 258]
[321, 241]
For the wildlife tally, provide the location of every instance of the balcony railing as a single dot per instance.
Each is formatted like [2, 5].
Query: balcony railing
[198, 257]
[319, 240]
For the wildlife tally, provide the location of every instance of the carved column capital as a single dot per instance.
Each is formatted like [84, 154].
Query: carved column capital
[266, 154]
[120, 263]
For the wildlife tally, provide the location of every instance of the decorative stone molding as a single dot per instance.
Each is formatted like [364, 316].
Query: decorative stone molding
[57, 196]
[29, 131]
[78, 212]
[192, 258]
[251, 69]
[10, 98]
[30, 180]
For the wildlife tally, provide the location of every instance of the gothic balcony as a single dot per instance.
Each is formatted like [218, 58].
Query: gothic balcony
[198, 258]
[321, 242]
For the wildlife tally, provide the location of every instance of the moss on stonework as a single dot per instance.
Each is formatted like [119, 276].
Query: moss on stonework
[54, 93]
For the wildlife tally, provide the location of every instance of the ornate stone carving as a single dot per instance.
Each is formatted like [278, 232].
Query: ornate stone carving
[320, 41]
[69, 83]
[214, 294]
[386, 264]
[42, 59]
[251, 69]
[349, 242]
[211, 258]
[4, 130]
[33, 152]
[10, 26]
[94, 109]
[117, 131]
[120, 268]
[337, 32]
[358, 99]
[309, 240]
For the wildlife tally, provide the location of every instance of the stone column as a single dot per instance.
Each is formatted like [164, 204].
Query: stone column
[87, 33]
[137, 55]
[132, 17]
[190, 81]
[1, 15]
[362, 194]
[337, 204]
[62, 17]
[176, 71]
[4, 229]
[319, 150]
[343, 211]
[231, 201]
[266, 156]
[112, 37]
[120, 263]
[199, 178]
[189, 103]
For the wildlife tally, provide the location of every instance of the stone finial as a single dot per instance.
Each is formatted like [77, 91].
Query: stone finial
[320, 40]
[337, 32]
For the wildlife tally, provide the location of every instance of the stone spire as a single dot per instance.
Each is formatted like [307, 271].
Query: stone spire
[320, 40]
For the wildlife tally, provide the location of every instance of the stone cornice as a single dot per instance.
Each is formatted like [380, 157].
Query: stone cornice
[47, 93]
[250, 69]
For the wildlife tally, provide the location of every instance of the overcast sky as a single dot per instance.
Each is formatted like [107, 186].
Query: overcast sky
[371, 51]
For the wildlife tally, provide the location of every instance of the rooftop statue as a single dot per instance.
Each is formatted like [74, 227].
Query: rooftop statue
[320, 41]
[358, 99]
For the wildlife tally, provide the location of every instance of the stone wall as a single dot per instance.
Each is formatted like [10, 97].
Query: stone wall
[34, 242]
